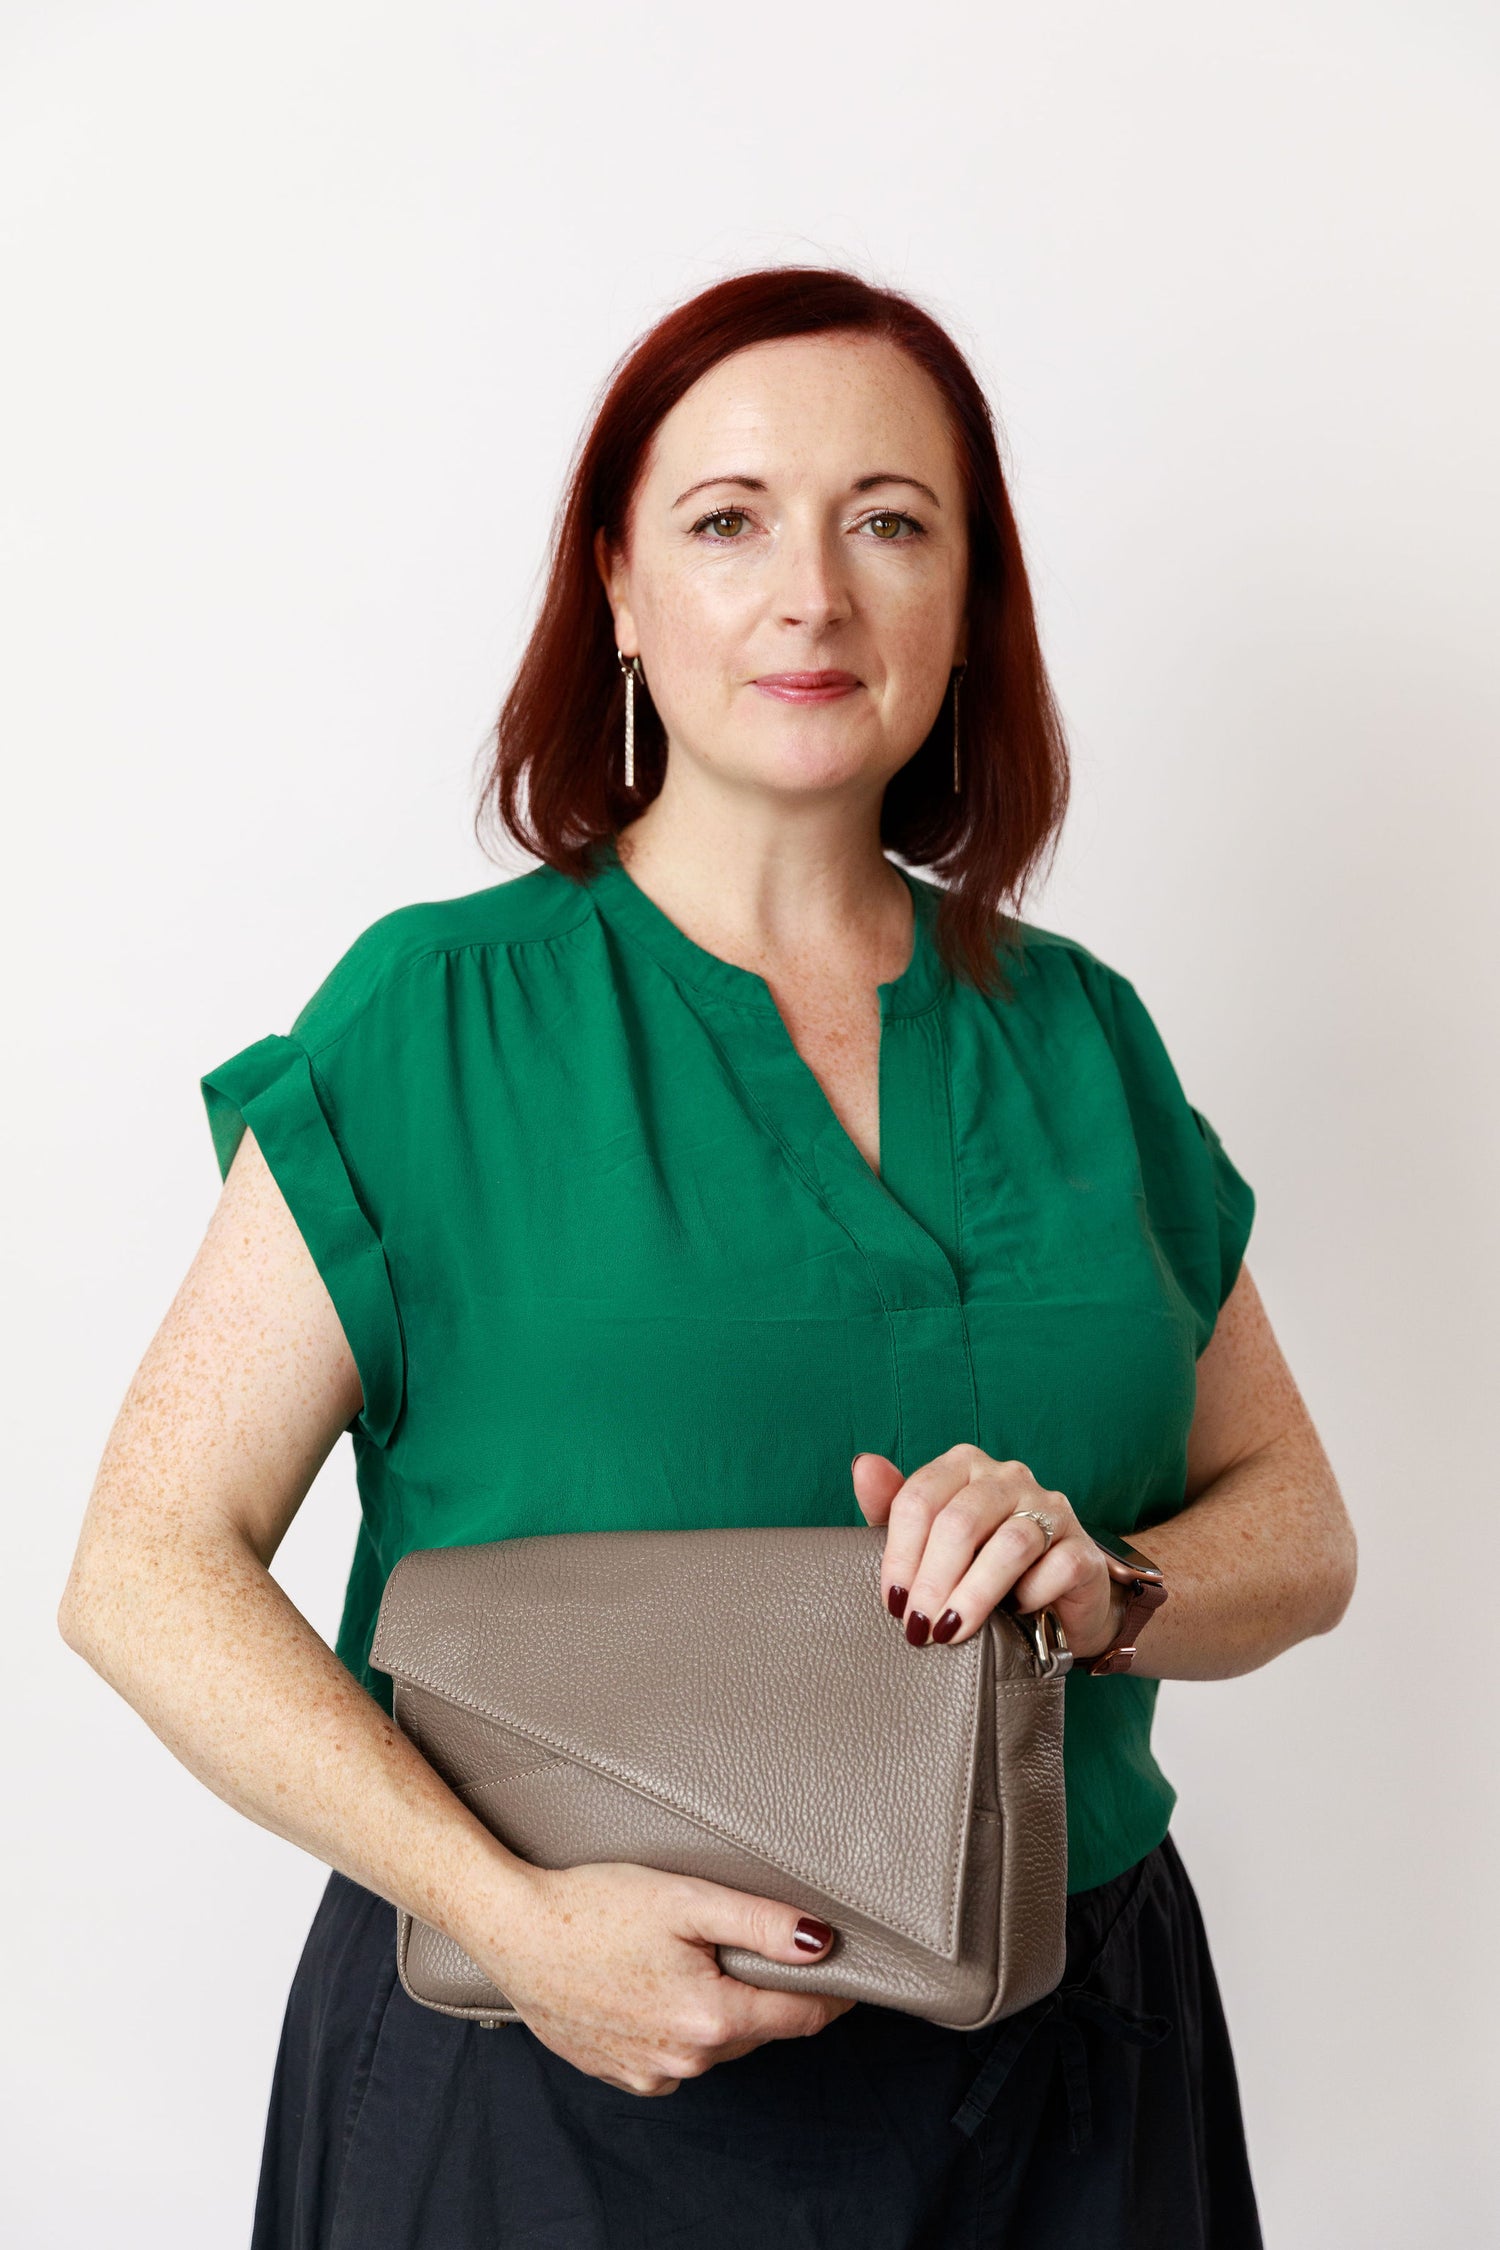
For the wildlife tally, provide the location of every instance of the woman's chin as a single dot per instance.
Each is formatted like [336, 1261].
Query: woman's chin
[807, 763]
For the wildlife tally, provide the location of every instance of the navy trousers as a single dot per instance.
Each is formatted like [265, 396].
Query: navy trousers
[1107, 2117]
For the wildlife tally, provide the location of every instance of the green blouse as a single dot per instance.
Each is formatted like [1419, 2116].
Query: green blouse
[607, 1260]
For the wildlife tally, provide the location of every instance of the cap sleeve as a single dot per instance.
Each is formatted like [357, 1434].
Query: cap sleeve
[1234, 1202]
[1198, 1206]
[274, 1089]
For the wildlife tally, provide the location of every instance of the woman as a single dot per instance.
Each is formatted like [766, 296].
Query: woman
[646, 1190]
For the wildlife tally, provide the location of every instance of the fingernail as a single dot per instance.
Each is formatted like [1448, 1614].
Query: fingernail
[811, 1934]
[854, 1464]
[916, 1628]
[947, 1625]
[895, 1601]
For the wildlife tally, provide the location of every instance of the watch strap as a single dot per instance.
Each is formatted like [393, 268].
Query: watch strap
[1146, 1591]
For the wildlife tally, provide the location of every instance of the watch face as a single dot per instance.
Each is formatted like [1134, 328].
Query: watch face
[1123, 1552]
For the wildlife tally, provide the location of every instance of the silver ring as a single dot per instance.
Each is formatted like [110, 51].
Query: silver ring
[1049, 1527]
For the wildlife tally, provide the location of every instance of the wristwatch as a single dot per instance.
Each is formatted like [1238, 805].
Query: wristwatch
[1146, 1591]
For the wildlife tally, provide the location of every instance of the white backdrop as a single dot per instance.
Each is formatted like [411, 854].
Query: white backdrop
[306, 304]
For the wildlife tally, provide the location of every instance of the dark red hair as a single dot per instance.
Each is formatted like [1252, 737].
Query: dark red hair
[556, 784]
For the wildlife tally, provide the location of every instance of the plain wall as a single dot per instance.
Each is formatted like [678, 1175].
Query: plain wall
[306, 305]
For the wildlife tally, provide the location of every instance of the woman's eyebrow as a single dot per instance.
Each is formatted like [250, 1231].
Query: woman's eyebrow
[746, 484]
[757, 484]
[896, 476]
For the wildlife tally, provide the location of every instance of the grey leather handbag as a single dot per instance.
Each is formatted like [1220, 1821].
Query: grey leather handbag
[738, 1705]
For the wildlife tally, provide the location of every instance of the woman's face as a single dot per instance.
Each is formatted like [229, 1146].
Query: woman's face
[795, 571]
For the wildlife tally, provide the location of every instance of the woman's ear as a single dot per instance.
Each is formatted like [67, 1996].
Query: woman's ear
[610, 565]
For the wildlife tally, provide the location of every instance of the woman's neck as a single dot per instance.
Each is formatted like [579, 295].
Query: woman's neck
[773, 886]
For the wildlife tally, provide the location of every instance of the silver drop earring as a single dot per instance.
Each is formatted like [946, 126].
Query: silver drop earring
[631, 667]
[958, 673]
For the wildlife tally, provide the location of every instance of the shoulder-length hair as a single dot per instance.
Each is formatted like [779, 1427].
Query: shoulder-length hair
[555, 781]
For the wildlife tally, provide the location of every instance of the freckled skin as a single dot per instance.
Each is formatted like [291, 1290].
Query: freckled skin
[763, 845]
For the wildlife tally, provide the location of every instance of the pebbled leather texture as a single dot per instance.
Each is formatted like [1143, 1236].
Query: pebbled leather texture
[737, 1704]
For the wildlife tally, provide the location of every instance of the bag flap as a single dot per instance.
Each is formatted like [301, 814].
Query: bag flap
[748, 1678]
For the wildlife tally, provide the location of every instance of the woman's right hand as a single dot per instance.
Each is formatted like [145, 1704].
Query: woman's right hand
[613, 1968]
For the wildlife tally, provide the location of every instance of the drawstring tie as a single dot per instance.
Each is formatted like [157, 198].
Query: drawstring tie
[1066, 2010]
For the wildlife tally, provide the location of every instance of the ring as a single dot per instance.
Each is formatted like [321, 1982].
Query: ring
[1049, 1528]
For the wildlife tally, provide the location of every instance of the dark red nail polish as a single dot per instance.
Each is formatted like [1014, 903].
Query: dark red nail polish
[895, 1601]
[916, 1628]
[947, 1625]
[811, 1934]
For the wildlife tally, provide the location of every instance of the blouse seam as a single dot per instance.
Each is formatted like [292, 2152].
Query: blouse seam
[795, 1165]
[707, 990]
[959, 1226]
[959, 1217]
[434, 953]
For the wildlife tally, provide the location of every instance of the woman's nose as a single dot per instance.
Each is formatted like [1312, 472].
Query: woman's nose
[811, 588]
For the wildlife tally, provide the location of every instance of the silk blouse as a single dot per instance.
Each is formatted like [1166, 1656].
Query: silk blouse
[606, 1259]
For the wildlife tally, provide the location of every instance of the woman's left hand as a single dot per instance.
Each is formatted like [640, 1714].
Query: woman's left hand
[958, 1541]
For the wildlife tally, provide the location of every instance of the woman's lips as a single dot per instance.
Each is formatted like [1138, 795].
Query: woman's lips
[806, 687]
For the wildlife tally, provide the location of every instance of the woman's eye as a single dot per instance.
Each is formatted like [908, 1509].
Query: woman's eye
[724, 523]
[889, 525]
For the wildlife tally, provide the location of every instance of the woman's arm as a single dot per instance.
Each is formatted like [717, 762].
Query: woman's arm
[240, 1397]
[238, 1401]
[1262, 1556]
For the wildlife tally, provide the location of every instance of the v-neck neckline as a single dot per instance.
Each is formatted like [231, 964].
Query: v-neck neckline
[905, 1222]
[917, 988]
